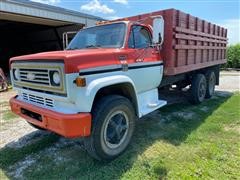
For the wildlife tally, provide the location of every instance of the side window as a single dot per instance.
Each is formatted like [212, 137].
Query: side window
[139, 37]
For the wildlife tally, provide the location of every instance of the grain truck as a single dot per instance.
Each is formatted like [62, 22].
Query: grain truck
[109, 76]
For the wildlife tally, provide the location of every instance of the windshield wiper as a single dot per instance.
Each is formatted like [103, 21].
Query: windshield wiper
[93, 46]
[74, 48]
[89, 46]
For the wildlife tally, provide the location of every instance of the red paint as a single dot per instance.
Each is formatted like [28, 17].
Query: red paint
[75, 60]
[67, 125]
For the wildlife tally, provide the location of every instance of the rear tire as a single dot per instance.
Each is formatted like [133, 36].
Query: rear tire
[113, 127]
[198, 89]
[211, 82]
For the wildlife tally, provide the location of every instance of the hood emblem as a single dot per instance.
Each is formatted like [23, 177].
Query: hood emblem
[30, 76]
[122, 58]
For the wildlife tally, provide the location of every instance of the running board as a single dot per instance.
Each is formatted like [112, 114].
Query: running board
[149, 102]
[158, 104]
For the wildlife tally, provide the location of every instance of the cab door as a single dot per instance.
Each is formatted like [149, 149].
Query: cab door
[144, 66]
[139, 44]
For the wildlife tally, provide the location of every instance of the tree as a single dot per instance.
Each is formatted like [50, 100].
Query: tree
[233, 56]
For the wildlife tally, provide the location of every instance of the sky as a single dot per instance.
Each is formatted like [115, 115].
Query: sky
[221, 12]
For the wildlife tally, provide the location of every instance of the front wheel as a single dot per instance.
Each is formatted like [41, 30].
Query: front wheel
[113, 127]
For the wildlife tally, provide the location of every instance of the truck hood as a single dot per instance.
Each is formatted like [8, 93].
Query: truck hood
[75, 60]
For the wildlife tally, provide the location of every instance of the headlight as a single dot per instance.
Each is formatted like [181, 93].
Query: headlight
[55, 78]
[16, 74]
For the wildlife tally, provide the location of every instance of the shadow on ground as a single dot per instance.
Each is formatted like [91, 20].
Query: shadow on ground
[52, 157]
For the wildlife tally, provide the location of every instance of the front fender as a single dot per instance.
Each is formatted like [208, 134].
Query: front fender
[86, 99]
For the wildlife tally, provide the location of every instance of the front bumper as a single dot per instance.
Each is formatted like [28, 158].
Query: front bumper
[67, 125]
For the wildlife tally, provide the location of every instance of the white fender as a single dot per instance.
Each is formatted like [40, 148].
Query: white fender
[86, 99]
[97, 84]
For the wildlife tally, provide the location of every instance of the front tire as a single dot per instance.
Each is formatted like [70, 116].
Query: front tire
[113, 127]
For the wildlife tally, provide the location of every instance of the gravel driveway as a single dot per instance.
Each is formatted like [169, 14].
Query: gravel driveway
[229, 81]
[18, 133]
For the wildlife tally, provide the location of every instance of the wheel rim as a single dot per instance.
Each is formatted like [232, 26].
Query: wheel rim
[202, 90]
[211, 84]
[116, 129]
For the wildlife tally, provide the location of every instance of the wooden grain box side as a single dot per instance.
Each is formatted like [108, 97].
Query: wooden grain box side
[198, 44]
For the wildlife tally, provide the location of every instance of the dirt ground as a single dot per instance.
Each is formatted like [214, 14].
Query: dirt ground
[17, 132]
[15, 128]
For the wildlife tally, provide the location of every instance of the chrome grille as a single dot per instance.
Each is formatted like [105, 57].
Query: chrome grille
[38, 100]
[35, 76]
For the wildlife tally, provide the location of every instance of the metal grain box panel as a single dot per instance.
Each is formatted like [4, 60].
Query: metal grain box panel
[190, 43]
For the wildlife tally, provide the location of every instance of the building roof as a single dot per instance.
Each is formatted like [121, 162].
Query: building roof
[39, 10]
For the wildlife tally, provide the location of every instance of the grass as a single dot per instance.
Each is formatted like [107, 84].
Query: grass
[176, 142]
[6, 115]
[10, 156]
[5, 112]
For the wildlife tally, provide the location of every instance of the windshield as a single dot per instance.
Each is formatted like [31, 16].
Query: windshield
[105, 36]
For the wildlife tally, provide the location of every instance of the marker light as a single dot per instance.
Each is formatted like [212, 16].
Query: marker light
[80, 81]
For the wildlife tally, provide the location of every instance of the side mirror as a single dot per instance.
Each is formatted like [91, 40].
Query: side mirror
[158, 30]
[67, 37]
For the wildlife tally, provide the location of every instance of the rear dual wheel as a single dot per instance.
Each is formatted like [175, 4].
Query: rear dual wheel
[113, 126]
[198, 89]
[203, 86]
[211, 82]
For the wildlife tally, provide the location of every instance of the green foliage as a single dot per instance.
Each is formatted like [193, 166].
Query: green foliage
[233, 56]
